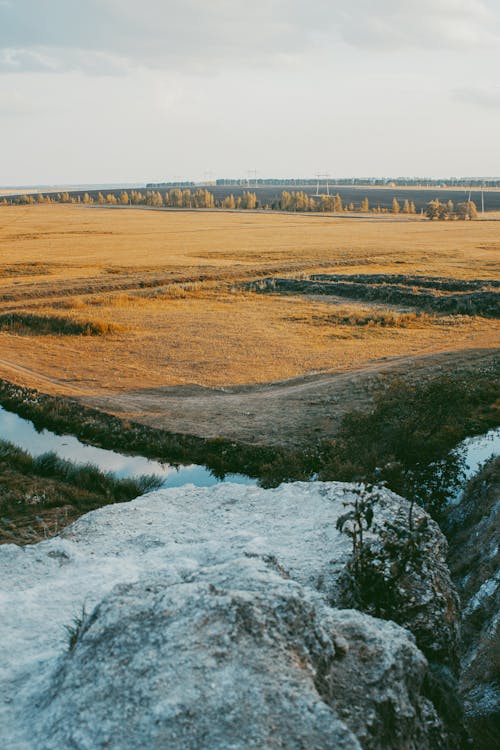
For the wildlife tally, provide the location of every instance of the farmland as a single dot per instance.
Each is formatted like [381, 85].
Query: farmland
[154, 315]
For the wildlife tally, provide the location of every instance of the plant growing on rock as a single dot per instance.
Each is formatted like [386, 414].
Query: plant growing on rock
[358, 519]
[378, 565]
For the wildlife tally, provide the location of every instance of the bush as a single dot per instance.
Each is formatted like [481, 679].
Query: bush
[28, 323]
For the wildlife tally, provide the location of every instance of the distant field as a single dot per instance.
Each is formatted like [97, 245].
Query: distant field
[378, 196]
[161, 296]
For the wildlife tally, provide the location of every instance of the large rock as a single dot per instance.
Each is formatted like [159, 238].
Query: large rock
[236, 657]
[195, 566]
[473, 530]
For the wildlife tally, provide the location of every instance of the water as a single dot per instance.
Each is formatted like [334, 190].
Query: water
[476, 450]
[23, 434]
[471, 453]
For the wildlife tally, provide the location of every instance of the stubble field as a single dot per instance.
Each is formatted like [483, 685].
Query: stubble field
[180, 341]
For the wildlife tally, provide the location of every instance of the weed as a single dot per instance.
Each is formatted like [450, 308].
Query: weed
[359, 518]
[75, 629]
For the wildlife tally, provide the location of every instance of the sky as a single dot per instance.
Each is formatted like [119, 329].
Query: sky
[103, 91]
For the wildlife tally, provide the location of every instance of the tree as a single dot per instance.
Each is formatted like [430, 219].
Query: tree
[248, 200]
[174, 198]
[365, 204]
[413, 209]
[327, 203]
[406, 206]
[337, 204]
[286, 201]
[229, 202]
[396, 208]
[124, 198]
[467, 210]
[437, 210]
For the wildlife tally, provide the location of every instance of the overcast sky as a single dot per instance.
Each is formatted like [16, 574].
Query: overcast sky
[131, 90]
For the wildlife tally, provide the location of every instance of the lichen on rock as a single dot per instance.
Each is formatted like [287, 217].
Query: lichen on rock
[214, 621]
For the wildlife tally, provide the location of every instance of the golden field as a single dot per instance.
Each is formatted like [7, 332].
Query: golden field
[126, 268]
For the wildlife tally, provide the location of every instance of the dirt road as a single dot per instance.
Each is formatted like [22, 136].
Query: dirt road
[289, 413]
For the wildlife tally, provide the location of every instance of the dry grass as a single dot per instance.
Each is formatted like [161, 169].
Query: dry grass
[29, 324]
[356, 316]
[166, 282]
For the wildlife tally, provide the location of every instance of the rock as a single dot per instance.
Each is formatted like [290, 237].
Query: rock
[271, 557]
[236, 657]
[473, 532]
[405, 578]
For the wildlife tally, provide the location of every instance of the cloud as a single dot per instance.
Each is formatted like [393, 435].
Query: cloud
[419, 23]
[111, 36]
[481, 96]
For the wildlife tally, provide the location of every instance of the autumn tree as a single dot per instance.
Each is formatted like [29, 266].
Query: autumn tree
[229, 202]
[136, 197]
[327, 203]
[337, 204]
[248, 200]
[467, 210]
[365, 205]
[286, 201]
[436, 210]
[396, 208]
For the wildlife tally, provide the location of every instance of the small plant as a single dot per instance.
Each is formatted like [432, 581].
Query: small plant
[379, 570]
[75, 629]
[358, 519]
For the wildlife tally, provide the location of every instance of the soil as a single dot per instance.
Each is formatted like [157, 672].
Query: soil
[290, 413]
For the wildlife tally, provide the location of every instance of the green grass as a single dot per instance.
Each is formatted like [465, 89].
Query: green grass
[85, 477]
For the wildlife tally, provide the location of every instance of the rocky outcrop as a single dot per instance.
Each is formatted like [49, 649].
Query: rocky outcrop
[237, 657]
[212, 619]
[473, 530]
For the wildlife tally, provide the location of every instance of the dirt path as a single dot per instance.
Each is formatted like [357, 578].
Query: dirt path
[288, 413]
[37, 380]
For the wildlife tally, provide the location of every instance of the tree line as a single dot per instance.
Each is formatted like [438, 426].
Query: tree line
[186, 198]
[297, 200]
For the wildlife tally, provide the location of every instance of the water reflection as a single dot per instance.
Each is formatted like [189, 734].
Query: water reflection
[431, 485]
[476, 450]
[23, 433]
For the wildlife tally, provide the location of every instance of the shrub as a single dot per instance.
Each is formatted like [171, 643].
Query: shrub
[28, 323]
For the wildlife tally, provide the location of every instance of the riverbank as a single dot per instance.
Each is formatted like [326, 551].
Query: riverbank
[405, 440]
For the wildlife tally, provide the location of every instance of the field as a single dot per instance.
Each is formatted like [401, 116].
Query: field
[378, 196]
[150, 314]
